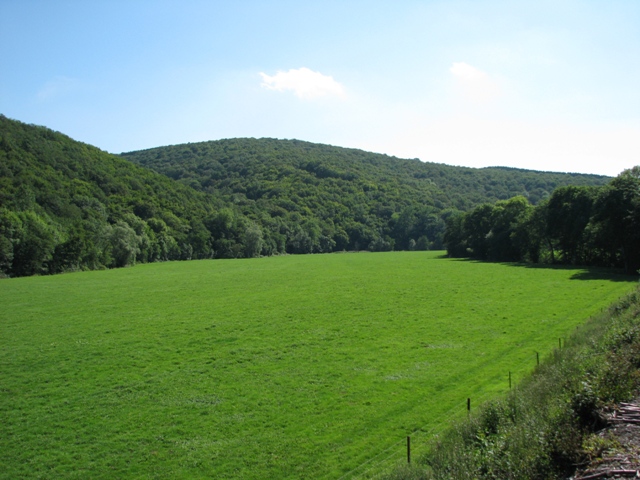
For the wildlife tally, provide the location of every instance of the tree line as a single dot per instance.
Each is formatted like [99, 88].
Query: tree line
[312, 198]
[576, 225]
[67, 206]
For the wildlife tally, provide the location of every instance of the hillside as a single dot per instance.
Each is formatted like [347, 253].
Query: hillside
[269, 168]
[344, 198]
[65, 205]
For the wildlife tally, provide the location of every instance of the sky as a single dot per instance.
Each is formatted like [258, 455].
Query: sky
[542, 85]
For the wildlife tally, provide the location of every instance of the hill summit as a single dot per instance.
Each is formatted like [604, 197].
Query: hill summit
[66, 205]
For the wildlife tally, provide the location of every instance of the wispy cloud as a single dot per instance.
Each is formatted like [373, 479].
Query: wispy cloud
[474, 84]
[304, 83]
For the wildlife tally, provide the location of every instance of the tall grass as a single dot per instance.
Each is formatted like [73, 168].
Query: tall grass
[543, 428]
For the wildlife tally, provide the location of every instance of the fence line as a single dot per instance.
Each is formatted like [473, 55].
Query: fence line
[418, 432]
[447, 417]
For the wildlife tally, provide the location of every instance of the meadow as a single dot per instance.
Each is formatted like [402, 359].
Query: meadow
[307, 366]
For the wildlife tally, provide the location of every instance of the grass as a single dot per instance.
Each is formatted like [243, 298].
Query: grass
[284, 367]
[548, 426]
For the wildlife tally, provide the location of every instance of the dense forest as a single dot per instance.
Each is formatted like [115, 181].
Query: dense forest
[319, 198]
[577, 225]
[66, 206]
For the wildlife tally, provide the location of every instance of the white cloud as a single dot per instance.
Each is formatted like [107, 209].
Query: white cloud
[475, 85]
[304, 83]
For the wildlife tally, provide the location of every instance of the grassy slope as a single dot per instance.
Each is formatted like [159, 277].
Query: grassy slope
[551, 423]
[283, 367]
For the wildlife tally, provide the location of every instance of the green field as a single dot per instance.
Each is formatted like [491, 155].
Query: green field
[313, 366]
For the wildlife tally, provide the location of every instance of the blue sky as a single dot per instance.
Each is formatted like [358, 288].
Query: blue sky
[545, 85]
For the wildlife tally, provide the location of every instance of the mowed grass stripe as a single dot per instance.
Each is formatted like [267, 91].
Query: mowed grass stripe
[282, 367]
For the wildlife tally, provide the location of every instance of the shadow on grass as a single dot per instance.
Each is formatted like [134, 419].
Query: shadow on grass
[584, 273]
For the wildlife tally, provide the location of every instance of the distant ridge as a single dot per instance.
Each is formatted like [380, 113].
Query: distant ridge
[66, 205]
[208, 166]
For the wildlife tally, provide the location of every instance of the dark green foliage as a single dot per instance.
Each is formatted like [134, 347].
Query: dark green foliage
[35, 244]
[616, 220]
[509, 233]
[569, 211]
[10, 234]
[69, 206]
[455, 237]
[497, 232]
[323, 198]
[577, 225]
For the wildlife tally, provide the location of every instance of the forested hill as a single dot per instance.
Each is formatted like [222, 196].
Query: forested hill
[277, 170]
[324, 198]
[65, 205]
